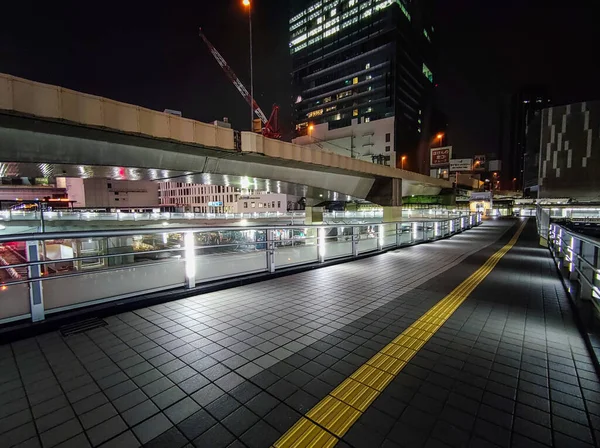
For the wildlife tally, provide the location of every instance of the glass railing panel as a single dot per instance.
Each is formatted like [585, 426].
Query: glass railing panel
[338, 241]
[68, 290]
[388, 237]
[367, 238]
[295, 246]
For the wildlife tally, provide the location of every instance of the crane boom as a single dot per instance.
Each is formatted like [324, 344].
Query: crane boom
[234, 79]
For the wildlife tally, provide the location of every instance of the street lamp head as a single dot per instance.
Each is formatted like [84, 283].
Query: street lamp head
[440, 135]
[246, 3]
[311, 127]
[403, 157]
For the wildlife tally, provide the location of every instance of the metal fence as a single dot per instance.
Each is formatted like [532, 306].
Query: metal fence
[66, 270]
[578, 258]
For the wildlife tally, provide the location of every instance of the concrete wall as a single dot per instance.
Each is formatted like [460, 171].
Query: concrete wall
[44, 100]
[120, 193]
[570, 151]
[269, 202]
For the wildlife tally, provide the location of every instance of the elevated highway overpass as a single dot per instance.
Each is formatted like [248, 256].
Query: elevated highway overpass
[49, 130]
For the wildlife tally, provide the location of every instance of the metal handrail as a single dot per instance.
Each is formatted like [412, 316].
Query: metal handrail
[569, 260]
[79, 234]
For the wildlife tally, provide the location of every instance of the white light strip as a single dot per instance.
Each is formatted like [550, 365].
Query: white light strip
[190, 259]
[321, 244]
[381, 235]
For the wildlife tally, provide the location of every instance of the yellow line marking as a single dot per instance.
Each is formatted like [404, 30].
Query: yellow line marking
[334, 415]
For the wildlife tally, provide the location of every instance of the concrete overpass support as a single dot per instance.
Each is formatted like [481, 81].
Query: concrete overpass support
[313, 215]
[387, 192]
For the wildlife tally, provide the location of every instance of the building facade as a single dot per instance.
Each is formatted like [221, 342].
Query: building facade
[361, 61]
[202, 198]
[525, 106]
[109, 193]
[198, 198]
[569, 152]
[371, 141]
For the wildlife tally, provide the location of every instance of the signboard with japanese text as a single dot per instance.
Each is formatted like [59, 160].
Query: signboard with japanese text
[440, 156]
[479, 162]
[461, 164]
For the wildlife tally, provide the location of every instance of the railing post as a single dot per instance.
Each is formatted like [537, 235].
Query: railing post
[355, 236]
[380, 236]
[398, 234]
[36, 292]
[271, 250]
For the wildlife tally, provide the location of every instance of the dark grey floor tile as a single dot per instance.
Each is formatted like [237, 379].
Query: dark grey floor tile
[240, 420]
[79, 441]
[182, 374]
[282, 389]
[129, 400]
[120, 389]
[196, 424]
[19, 434]
[55, 418]
[301, 401]
[361, 436]
[262, 404]
[182, 410]
[207, 395]
[168, 397]
[216, 437]
[282, 417]
[193, 383]
[97, 416]
[15, 420]
[171, 438]
[223, 406]
[151, 428]
[61, 433]
[158, 386]
[229, 381]
[260, 435]
[106, 430]
[140, 412]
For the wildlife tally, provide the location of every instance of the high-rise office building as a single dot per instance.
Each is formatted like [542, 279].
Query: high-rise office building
[525, 106]
[356, 61]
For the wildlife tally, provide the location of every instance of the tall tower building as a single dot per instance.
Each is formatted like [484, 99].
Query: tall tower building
[358, 61]
[525, 107]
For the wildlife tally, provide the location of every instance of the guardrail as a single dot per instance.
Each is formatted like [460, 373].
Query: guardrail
[18, 215]
[577, 257]
[67, 270]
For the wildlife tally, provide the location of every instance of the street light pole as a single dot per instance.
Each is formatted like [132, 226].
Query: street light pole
[247, 4]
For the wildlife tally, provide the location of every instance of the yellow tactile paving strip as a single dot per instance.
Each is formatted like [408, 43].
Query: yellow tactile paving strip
[333, 416]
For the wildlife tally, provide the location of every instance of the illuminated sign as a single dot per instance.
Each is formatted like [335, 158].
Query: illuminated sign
[461, 164]
[440, 156]
[215, 204]
[479, 162]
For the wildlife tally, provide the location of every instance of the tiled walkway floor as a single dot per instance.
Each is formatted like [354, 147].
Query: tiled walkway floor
[239, 367]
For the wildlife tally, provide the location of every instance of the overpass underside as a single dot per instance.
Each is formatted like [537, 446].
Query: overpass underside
[41, 148]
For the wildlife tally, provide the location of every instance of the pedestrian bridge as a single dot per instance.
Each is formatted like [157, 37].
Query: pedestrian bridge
[58, 127]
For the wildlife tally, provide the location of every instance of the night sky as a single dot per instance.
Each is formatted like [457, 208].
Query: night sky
[152, 56]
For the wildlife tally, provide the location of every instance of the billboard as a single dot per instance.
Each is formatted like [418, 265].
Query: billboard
[461, 164]
[440, 156]
[479, 162]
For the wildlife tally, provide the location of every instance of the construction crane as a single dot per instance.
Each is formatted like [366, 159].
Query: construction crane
[270, 125]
